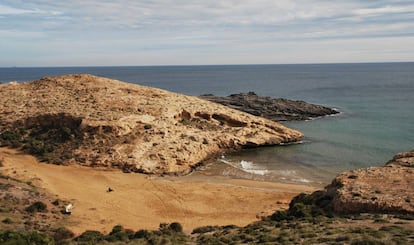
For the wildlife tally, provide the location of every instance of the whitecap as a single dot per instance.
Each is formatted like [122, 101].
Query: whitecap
[249, 167]
[246, 166]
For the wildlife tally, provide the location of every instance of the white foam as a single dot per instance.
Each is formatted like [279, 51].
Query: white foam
[302, 180]
[257, 172]
[249, 167]
[226, 162]
[246, 166]
[287, 172]
[291, 175]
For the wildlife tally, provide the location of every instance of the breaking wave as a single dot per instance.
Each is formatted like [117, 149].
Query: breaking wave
[248, 167]
[251, 168]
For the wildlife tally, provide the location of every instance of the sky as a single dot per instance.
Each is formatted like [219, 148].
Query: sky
[203, 32]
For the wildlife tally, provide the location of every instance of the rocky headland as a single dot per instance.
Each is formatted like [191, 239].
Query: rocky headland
[270, 108]
[100, 122]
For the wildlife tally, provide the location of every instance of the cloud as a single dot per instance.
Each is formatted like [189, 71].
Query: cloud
[385, 10]
[9, 10]
[221, 27]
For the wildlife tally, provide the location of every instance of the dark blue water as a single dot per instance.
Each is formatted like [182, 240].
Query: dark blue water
[376, 101]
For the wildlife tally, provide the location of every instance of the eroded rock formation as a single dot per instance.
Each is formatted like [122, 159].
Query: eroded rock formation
[385, 189]
[273, 109]
[96, 121]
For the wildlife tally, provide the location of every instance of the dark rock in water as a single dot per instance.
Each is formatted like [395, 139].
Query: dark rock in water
[273, 109]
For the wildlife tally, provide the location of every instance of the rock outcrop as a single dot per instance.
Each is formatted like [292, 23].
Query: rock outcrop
[97, 121]
[385, 189]
[273, 109]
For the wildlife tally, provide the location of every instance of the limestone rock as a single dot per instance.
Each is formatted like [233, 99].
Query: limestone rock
[97, 121]
[385, 189]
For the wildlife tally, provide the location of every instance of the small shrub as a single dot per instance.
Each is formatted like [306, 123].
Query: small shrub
[15, 237]
[185, 121]
[367, 241]
[381, 220]
[7, 221]
[279, 216]
[90, 237]
[299, 210]
[117, 234]
[176, 227]
[37, 207]
[227, 227]
[142, 234]
[62, 234]
[11, 138]
[66, 133]
[405, 216]
[147, 126]
[204, 229]
[163, 227]
[117, 229]
[56, 202]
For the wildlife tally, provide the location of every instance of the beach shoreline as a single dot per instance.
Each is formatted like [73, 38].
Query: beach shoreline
[144, 201]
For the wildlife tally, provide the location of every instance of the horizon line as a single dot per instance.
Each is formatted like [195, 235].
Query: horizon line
[184, 65]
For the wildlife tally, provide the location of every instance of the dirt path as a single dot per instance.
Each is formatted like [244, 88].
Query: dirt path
[143, 202]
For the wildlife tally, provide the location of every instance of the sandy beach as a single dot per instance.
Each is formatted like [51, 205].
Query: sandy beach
[143, 202]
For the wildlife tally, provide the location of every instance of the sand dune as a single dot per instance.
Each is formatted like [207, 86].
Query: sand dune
[142, 202]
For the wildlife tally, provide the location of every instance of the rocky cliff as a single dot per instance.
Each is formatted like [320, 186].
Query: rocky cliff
[97, 121]
[384, 189]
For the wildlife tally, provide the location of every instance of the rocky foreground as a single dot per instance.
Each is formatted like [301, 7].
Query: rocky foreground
[270, 108]
[385, 189]
[97, 121]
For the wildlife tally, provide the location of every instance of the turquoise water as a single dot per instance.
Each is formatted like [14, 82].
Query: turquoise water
[376, 101]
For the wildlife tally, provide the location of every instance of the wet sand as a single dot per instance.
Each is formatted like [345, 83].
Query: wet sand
[143, 202]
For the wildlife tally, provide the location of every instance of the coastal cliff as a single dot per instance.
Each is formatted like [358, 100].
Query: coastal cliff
[384, 189]
[100, 122]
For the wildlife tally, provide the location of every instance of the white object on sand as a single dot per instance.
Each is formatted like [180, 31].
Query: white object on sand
[68, 208]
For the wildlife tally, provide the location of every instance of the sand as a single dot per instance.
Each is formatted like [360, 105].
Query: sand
[143, 202]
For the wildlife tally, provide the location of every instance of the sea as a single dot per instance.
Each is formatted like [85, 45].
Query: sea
[376, 101]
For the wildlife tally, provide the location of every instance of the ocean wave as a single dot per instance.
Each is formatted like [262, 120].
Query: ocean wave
[246, 166]
[291, 175]
[255, 169]
[249, 167]
[287, 173]
[291, 143]
[302, 180]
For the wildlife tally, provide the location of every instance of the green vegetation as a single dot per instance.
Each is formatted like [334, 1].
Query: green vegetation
[305, 230]
[50, 142]
[89, 237]
[23, 237]
[37, 207]
[62, 234]
[185, 121]
[167, 234]
[307, 221]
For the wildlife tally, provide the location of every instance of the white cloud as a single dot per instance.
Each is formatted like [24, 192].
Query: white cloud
[225, 27]
[385, 10]
[8, 10]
